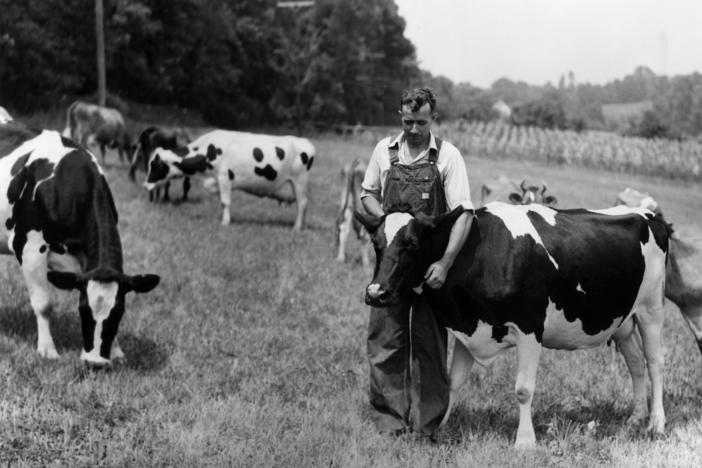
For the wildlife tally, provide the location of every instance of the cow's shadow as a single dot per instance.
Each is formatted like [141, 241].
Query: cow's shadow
[143, 355]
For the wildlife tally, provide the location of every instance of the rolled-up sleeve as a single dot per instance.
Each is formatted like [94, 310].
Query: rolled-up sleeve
[456, 185]
[371, 185]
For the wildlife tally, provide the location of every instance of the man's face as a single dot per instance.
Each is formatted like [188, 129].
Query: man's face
[416, 125]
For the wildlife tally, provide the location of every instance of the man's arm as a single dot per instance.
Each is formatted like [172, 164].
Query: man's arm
[370, 187]
[372, 206]
[437, 271]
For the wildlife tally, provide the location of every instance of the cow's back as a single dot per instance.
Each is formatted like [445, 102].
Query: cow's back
[259, 164]
[569, 276]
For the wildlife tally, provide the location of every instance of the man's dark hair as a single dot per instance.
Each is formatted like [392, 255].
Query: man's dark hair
[417, 97]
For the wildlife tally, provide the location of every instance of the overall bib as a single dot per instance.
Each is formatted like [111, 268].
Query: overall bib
[409, 386]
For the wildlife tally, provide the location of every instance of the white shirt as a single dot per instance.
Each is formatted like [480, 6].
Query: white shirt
[449, 163]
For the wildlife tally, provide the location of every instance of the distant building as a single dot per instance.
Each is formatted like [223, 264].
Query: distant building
[502, 110]
[623, 112]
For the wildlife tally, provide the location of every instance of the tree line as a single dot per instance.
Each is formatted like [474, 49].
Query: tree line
[253, 62]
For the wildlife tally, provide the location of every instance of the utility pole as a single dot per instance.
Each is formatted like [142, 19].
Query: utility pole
[100, 40]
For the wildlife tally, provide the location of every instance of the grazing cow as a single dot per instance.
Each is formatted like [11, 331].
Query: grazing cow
[351, 178]
[60, 221]
[85, 122]
[262, 165]
[534, 277]
[506, 190]
[4, 116]
[150, 139]
[683, 275]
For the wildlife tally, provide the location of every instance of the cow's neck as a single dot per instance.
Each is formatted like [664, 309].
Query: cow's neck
[101, 241]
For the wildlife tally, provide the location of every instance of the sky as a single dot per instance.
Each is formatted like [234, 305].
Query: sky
[537, 41]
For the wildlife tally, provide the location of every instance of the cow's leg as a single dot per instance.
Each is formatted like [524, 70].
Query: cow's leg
[461, 363]
[34, 269]
[344, 231]
[116, 351]
[166, 188]
[365, 251]
[225, 197]
[650, 325]
[186, 188]
[528, 352]
[629, 344]
[300, 188]
[693, 316]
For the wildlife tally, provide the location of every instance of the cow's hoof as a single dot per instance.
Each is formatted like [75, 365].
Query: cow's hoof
[656, 426]
[48, 353]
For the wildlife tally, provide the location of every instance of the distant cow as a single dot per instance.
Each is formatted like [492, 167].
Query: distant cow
[351, 178]
[506, 190]
[262, 165]
[4, 116]
[150, 139]
[683, 276]
[85, 122]
[534, 277]
[60, 222]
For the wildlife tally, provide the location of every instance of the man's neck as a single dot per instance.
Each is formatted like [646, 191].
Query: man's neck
[415, 150]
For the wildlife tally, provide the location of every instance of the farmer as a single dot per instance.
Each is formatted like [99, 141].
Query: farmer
[409, 388]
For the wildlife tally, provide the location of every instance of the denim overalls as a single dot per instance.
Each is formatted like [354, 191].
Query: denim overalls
[409, 386]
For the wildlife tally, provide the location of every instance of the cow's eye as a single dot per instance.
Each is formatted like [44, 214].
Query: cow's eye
[411, 244]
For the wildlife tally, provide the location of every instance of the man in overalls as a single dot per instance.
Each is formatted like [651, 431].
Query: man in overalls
[414, 172]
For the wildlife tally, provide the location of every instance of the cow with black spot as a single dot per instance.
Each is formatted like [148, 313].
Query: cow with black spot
[60, 222]
[263, 165]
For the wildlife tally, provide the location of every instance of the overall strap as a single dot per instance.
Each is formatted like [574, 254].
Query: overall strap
[434, 154]
[394, 153]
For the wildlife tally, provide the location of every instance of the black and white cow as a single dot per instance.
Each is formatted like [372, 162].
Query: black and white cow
[534, 277]
[85, 122]
[507, 190]
[351, 178]
[683, 275]
[157, 137]
[263, 165]
[60, 221]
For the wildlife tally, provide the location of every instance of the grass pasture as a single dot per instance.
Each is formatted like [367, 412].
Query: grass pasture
[251, 352]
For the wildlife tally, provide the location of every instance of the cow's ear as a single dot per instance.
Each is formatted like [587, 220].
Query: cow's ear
[64, 279]
[192, 165]
[370, 222]
[550, 200]
[515, 198]
[142, 283]
[438, 221]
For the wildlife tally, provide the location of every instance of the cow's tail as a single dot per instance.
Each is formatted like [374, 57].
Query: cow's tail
[70, 121]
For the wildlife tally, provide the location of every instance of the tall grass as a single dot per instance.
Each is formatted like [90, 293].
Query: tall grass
[251, 353]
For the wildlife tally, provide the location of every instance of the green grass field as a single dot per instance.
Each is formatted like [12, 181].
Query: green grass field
[251, 352]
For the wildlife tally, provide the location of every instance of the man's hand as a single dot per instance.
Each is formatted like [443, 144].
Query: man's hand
[436, 275]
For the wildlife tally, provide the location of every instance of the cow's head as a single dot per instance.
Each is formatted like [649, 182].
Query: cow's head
[101, 306]
[532, 193]
[165, 165]
[405, 246]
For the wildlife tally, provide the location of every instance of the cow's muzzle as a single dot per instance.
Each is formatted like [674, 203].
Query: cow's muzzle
[376, 296]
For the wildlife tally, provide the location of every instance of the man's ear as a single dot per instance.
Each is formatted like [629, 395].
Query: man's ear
[515, 198]
[370, 222]
[64, 279]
